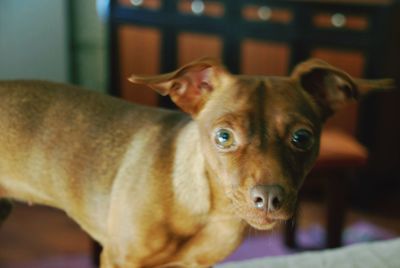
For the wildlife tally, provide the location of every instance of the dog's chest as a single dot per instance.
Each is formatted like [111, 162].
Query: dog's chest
[185, 223]
[190, 190]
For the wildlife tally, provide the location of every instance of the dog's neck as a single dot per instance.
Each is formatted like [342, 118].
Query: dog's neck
[189, 175]
[197, 187]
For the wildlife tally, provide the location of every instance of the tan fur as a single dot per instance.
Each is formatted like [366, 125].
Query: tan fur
[150, 184]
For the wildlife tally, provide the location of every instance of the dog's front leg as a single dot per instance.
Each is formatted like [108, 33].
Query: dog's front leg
[213, 243]
[5, 209]
[107, 260]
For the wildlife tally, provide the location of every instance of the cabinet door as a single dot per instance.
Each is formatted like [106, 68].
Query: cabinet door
[139, 53]
[259, 56]
[351, 61]
[264, 58]
[192, 46]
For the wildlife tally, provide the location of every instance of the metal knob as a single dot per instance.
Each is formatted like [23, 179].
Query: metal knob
[136, 3]
[198, 7]
[264, 13]
[338, 20]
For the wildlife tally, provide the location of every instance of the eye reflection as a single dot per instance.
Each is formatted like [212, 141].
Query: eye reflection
[224, 138]
[302, 139]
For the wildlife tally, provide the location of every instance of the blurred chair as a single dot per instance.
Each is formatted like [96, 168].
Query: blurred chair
[340, 156]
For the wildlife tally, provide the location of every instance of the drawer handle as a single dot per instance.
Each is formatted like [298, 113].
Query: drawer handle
[197, 7]
[136, 3]
[264, 13]
[338, 20]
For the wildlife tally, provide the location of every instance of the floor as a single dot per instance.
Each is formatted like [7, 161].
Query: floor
[36, 232]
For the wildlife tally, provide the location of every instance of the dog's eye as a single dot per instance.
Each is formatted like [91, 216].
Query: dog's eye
[224, 138]
[302, 139]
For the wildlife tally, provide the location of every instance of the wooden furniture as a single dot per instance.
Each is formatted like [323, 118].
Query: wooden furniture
[259, 37]
[251, 36]
[341, 155]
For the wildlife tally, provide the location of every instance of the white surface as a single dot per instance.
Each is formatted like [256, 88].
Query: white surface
[385, 254]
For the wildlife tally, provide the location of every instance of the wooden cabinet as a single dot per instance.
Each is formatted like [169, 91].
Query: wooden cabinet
[262, 37]
[252, 36]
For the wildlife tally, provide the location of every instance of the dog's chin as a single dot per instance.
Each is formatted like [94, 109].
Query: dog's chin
[261, 223]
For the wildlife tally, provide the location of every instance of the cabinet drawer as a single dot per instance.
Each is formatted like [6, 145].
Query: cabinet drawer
[340, 20]
[201, 8]
[144, 4]
[260, 13]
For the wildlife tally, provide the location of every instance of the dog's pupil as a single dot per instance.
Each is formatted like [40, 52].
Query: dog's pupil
[224, 139]
[224, 136]
[302, 139]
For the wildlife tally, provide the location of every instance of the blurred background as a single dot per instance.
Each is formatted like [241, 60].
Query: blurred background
[352, 195]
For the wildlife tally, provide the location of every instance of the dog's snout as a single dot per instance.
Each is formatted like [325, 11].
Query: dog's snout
[269, 198]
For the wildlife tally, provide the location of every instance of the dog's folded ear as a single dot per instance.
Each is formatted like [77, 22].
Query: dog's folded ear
[331, 87]
[190, 86]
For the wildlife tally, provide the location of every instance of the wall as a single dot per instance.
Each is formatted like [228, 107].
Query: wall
[88, 43]
[33, 40]
[59, 40]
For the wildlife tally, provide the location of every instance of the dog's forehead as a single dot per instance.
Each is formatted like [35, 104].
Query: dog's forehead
[272, 95]
[272, 98]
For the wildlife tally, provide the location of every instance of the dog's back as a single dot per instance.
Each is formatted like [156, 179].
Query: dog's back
[63, 146]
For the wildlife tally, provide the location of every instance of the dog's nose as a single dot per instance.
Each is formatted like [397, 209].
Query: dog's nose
[268, 198]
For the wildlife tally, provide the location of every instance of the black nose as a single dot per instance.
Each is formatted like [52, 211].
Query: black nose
[269, 198]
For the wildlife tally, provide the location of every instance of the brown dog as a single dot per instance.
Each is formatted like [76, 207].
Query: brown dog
[158, 188]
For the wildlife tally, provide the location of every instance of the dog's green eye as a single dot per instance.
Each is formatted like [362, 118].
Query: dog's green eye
[224, 138]
[302, 139]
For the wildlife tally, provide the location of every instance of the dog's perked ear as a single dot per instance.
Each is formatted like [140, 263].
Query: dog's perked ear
[331, 87]
[190, 86]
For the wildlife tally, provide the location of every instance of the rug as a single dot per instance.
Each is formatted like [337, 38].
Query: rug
[272, 244]
[260, 245]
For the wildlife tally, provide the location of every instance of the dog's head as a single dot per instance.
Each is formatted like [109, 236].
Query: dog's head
[260, 135]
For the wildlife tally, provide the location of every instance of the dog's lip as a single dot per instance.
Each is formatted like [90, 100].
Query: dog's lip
[265, 225]
[265, 221]
[261, 223]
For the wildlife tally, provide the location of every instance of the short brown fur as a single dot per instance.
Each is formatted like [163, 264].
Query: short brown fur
[155, 187]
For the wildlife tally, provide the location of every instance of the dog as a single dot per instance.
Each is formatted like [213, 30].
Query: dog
[162, 188]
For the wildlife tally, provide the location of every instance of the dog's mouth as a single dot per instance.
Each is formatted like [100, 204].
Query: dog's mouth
[261, 223]
[263, 220]
[258, 219]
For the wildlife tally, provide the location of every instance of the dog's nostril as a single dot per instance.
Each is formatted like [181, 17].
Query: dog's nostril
[259, 202]
[275, 203]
